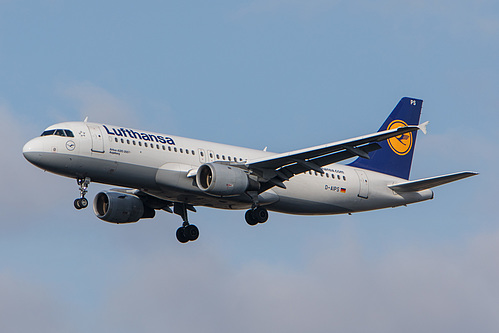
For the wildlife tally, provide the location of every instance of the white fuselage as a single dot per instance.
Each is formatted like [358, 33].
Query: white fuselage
[163, 165]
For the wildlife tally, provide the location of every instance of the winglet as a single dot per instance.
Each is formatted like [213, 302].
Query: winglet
[422, 127]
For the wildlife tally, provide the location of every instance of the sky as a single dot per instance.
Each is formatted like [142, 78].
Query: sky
[283, 74]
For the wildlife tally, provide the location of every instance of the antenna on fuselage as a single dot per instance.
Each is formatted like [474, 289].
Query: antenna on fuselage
[86, 119]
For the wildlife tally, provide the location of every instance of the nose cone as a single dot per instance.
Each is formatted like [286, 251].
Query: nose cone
[33, 151]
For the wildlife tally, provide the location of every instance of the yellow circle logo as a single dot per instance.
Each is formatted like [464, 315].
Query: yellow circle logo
[401, 144]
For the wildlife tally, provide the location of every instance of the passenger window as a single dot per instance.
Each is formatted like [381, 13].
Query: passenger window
[127, 141]
[164, 148]
[332, 176]
[218, 157]
[116, 139]
[175, 149]
[134, 143]
[201, 153]
[157, 146]
[344, 178]
[193, 153]
[169, 148]
[327, 175]
[69, 133]
[181, 150]
[145, 144]
[140, 143]
[122, 141]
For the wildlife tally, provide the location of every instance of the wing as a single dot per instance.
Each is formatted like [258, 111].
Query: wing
[282, 167]
[423, 184]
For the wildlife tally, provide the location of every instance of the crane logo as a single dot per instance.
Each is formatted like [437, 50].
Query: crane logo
[401, 144]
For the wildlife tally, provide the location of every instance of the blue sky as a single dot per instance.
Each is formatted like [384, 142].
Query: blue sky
[282, 74]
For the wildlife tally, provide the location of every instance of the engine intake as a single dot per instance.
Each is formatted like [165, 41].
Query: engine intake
[117, 207]
[223, 180]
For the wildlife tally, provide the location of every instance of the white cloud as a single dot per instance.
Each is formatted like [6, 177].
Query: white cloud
[449, 288]
[99, 104]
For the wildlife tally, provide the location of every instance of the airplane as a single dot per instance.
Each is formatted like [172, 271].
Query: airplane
[174, 174]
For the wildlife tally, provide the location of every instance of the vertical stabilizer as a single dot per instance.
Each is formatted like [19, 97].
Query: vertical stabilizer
[395, 156]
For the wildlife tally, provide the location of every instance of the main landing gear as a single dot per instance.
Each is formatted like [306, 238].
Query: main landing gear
[256, 215]
[82, 202]
[187, 232]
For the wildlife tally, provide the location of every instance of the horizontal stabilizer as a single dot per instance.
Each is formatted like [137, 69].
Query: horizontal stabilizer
[424, 184]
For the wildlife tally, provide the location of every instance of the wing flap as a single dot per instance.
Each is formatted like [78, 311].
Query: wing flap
[424, 184]
[298, 168]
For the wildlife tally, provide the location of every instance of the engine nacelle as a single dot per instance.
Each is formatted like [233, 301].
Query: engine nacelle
[222, 180]
[117, 207]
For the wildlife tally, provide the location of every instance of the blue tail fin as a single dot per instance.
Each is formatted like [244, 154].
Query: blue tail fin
[395, 156]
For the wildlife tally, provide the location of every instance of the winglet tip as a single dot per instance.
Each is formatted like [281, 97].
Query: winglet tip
[423, 126]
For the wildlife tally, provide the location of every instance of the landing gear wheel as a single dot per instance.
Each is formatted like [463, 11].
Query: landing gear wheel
[191, 232]
[181, 237]
[257, 215]
[77, 204]
[260, 214]
[249, 218]
[83, 203]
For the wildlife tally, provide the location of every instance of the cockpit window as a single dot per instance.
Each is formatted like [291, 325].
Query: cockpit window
[58, 132]
[49, 132]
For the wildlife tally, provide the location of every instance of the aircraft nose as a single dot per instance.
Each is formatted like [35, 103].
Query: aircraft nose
[33, 150]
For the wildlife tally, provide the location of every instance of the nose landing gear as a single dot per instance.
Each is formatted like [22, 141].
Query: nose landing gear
[82, 202]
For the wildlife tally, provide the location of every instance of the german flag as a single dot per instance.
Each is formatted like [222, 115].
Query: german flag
[343, 190]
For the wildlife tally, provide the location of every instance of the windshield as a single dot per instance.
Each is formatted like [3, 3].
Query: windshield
[58, 132]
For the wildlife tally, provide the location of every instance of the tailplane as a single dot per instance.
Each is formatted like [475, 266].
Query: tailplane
[395, 156]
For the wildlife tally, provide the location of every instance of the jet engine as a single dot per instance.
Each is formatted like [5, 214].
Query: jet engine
[118, 207]
[223, 180]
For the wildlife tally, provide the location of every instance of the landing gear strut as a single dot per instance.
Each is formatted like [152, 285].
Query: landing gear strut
[256, 215]
[187, 232]
[82, 202]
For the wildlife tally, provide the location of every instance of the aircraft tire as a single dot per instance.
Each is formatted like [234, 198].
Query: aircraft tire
[250, 219]
[181, 237]
[77, 204]
[191, 232]
[83, 203]
[260, 214]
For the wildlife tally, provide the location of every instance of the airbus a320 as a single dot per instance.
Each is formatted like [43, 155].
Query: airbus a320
[174, 174]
